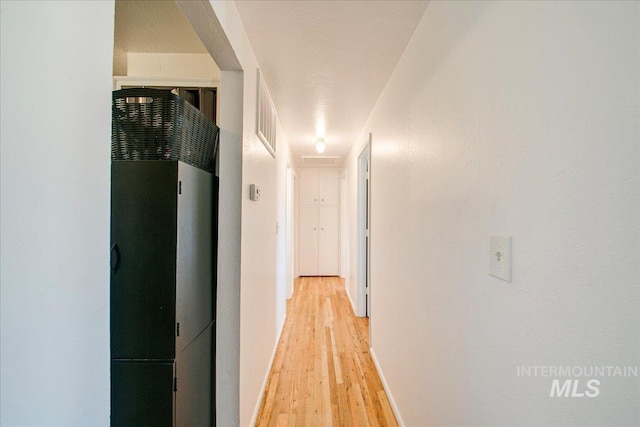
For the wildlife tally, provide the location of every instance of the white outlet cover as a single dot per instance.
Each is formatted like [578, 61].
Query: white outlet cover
[500, 257]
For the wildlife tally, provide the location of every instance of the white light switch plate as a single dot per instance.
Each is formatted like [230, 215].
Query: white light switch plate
[500, 257]
[254, 192]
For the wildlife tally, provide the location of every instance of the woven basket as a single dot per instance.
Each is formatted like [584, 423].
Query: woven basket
[151, 124]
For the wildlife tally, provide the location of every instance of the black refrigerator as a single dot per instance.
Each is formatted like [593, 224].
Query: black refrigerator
[163, 267]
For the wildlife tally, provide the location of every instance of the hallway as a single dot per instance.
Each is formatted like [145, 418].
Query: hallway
[323, 373]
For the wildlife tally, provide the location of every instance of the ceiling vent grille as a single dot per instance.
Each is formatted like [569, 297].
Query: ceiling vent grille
[266, 120]
[320, 160]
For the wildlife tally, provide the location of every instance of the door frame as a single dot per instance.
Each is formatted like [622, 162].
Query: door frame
[290, 251]
[363, 306]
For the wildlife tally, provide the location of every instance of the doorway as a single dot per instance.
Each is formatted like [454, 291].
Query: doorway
[364, 238]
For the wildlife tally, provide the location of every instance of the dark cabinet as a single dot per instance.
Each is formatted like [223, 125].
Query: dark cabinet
[163, 275]
[142, 393]
[144, 235]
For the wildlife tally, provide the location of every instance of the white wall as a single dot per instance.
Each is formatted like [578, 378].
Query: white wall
[344, 227]
[283, 159]
[56, 125]
[229, 250]
[261, 310]
[523, 119]
[350, 228]
[172, 65]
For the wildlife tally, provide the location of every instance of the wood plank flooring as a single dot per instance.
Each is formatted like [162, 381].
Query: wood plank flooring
[323, 374]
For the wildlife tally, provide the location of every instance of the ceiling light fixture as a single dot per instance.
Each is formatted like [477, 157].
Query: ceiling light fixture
[320, 145]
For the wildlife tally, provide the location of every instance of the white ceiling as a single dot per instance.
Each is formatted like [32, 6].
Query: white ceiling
[326, 62]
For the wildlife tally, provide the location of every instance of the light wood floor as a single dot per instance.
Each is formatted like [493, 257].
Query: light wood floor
[323, 374]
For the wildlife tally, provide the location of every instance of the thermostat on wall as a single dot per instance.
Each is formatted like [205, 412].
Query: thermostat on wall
[254, 192]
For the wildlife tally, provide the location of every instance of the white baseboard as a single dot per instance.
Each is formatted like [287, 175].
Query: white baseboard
[392, 401]
[256, 410]
[353, 306]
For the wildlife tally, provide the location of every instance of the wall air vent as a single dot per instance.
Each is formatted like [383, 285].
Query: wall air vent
[320, 160]
[266, 120]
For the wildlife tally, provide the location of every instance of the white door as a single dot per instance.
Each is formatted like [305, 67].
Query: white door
[329, 188]
[329, 241]
[308, 243]
[309, 187]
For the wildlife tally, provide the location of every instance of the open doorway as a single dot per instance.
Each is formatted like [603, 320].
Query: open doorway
[364, 238]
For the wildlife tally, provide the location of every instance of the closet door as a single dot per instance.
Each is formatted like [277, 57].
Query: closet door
[329, 241]
[308, 245]
[309, 187]
[329, 188]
